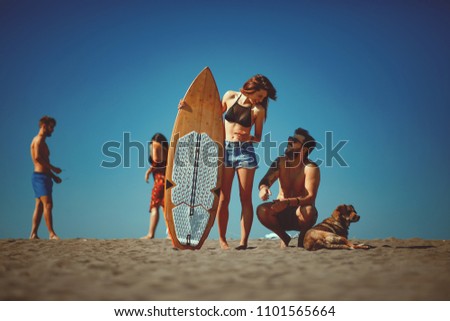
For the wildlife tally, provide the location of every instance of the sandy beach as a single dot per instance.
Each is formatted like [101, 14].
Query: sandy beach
[130, 269]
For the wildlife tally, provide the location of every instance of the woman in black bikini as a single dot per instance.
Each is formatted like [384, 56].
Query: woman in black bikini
[242, 110]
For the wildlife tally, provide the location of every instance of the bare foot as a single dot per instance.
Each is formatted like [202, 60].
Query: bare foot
[34, 237]
[241, 247]
[283, 245]
[147, 237]
[224, 245]
[285, 242]
[361, 246]
[54, 237]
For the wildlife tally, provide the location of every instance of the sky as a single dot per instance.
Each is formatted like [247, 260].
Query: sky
[369, 80]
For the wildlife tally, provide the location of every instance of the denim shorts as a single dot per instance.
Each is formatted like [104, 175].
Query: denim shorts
[240, 155]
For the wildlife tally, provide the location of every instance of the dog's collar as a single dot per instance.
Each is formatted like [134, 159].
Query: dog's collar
[330, 226]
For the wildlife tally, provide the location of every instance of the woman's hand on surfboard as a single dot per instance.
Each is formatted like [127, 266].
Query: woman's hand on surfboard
[182, 104]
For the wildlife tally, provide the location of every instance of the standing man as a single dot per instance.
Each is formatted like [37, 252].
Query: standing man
[299, 179]
[43, 177]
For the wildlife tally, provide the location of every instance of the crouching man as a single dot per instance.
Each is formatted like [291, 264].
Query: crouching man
[299, 179]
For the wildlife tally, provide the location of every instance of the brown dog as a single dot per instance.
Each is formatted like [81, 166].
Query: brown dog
[332, 232]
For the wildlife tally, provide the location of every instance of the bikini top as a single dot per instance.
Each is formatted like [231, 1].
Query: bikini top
[239, 114]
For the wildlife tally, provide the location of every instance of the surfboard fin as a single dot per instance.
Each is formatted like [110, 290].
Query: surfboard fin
[216, 191]
[169, 184]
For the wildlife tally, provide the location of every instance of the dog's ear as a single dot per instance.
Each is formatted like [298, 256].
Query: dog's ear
[339, 211]
[342, 208]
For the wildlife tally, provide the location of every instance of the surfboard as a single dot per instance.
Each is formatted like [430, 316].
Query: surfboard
[194, 164]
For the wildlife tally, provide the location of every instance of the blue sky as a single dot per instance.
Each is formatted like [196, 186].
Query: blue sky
[376, 74]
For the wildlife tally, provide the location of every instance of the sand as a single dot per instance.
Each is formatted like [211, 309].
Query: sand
[129, 269]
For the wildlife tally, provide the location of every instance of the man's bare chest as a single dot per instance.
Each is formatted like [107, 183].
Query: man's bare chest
[292, 179]
[45, 152]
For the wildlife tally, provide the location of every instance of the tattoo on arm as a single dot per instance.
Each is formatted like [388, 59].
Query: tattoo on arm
[271, 175]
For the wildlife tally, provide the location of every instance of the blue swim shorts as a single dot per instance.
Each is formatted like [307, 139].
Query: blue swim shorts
[240, 155]
[42, 184]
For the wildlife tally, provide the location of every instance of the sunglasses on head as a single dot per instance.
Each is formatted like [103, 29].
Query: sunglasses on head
[293, 139]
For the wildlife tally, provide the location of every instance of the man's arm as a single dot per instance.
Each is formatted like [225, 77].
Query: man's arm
[312, 181]
[268, 179]
[37, 153]
[44, 161]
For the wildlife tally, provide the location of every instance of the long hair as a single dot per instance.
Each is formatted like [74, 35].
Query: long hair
[259, 82]
[159, 138]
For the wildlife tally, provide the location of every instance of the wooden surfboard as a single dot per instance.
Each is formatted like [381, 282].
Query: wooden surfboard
[194, 164]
